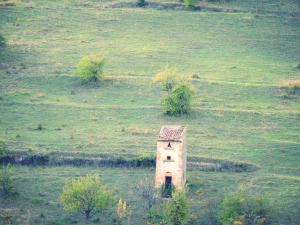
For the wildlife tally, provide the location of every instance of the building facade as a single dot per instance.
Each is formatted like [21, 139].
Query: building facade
[171, 156]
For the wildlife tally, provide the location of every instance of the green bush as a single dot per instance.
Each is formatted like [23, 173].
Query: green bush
[189, 4]
[177, 208]
[5, 180]
[91, 68]
[2, 152]
[176, 93]
[141, 3]
[177, 101]
[167, 190]
[244, 208]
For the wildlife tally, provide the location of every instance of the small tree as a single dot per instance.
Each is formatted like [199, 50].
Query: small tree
[86, 195]
[5, 180]
[176, 93]
[166, 79]
[177, 208]
[177, 101]
[91, 68]
[146, 191]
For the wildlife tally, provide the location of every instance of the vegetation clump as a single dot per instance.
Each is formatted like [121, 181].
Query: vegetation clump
[2, 152]
[6, 183]
[90, 68]
[141, 3]
[189, 4]
[243, 208]
[178, 207]
[123, 212]
[195, 76]
[7, 3]
[177, 93]
[291, 86]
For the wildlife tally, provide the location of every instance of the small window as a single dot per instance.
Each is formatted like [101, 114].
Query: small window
[168, 157]
[169, 145]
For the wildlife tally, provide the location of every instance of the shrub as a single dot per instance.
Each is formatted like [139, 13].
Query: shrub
[91, 68]
[285, 96]
[195, 76]
[177, 208]
[189, 4]
[177, 101]
[177, 94]
[291, 86]
[5, 180]
[39, 127]
[2, 152]
[123, 212]
[167, 190]
[141, 3]
[244, 208]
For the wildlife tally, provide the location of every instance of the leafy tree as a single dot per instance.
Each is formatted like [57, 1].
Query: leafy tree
[176, 93]
[91, 68]
[177, 101]
[177, 208]
[86, 195]
[166, 79]
[5, 180]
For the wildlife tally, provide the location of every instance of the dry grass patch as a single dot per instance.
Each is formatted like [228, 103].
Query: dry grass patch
[58, 65]
[29, 5]
[295, 113]
[291, 86]
[37, 97]
[8, 3]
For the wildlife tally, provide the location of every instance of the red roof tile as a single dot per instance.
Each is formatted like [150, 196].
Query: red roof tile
[172, 134]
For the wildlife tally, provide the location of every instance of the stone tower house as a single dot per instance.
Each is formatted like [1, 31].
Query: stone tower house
[171, 156]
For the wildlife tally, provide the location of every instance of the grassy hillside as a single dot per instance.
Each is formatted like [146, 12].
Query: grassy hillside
[240, 50]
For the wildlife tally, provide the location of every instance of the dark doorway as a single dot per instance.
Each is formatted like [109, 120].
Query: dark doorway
[168, 187]
[168, 181]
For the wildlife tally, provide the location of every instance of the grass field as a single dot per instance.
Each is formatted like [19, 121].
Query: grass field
[240, 50]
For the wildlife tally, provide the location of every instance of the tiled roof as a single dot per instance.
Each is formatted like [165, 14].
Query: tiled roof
[171, 132]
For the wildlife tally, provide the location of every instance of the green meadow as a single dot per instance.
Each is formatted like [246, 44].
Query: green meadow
[241, 50]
